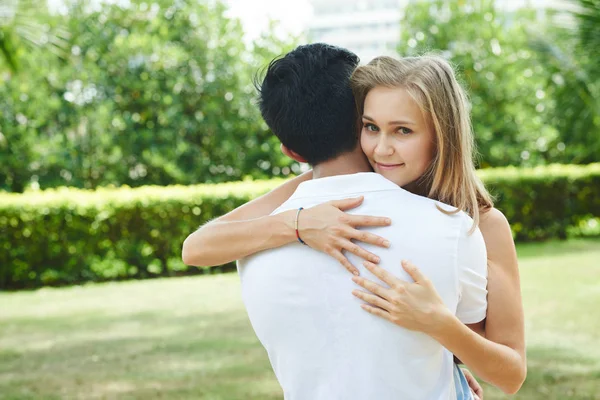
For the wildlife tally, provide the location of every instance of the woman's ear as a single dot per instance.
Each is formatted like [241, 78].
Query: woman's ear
[291, 154]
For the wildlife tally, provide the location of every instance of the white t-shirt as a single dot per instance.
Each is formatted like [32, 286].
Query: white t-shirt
[321, 344]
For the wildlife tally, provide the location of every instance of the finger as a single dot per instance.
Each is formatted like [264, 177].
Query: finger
[372, 299]
[368, 220]
[377, 311]
[366, 237]
[413, 271]
[347, 204]
[357, 250]
[476, 397]
[479, 392]
[373, 287]
[473, 384]
[478, 389]
[383, 274]
[344, 261]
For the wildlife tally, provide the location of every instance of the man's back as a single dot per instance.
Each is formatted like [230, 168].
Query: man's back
[321, 344]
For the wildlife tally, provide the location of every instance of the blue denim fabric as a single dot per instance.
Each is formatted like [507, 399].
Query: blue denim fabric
[463, 391]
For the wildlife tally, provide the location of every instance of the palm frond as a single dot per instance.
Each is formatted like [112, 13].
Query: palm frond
[7, 49]
[24, 23]
[574, 74]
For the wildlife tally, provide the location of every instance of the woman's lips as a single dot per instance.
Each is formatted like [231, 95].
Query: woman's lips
[387, 167]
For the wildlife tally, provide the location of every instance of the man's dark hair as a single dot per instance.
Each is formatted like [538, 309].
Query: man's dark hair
[306, 100]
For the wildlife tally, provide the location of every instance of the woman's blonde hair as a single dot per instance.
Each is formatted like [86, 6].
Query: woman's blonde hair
[431, 82]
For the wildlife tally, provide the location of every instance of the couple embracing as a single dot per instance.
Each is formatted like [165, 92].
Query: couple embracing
[375, 274]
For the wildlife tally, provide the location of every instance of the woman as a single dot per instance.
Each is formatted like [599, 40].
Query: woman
[416, 132]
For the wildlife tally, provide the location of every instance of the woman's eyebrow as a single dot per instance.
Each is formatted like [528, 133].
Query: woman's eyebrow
[399, 122]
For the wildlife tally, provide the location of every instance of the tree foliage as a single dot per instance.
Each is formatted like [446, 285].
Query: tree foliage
[152, 93]
[570, 53]
[517, 118]
[160, 92]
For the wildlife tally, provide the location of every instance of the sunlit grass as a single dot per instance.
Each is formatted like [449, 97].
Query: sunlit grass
[189, 338]
[561, 290]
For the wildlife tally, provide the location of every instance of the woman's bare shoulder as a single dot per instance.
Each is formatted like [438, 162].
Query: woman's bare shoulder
[492, 218]
[496, 233]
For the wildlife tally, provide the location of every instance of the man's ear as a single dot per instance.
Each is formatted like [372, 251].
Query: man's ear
[291, 154]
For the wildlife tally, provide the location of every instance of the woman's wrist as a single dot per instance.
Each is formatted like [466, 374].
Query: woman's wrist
[284, 225]
[443, 322]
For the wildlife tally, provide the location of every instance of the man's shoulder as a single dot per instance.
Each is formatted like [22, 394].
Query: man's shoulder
[396, 197]
[344, 185]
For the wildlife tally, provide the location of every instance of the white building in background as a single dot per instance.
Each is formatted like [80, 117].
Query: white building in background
[368, 28]
[372, 28]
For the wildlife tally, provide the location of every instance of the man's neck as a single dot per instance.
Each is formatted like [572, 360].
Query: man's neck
[347, 163]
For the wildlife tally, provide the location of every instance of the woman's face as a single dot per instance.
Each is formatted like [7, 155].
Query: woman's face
[395, 136]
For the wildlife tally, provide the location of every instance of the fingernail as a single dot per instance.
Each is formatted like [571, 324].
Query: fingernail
[356, 273]
[355, 279]
[386, 243]
[354, 292]
[388, 221]
[375, 259]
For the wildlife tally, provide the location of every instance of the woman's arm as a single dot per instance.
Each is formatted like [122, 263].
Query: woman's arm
[505, 318]
[499, 358]
[250, 228]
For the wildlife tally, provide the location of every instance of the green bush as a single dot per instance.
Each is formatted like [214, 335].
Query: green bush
[66, 236]
[543, 202]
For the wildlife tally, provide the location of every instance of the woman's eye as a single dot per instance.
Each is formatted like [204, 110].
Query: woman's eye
[370, 127]
[404, 131]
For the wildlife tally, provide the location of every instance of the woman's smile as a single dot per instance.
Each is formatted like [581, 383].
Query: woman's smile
[387, 167]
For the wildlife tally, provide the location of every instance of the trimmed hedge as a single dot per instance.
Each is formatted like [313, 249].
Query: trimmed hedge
[67, 236]
[545, 202]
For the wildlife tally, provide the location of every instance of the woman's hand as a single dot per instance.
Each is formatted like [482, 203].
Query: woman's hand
[329, 229]
[473, 384]
[416, 306]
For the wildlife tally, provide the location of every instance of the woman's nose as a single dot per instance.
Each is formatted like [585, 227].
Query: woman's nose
[383, 147]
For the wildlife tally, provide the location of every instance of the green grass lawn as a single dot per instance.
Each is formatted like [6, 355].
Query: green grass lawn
[189, 338]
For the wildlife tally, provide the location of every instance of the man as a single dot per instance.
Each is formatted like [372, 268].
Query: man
[320, 342]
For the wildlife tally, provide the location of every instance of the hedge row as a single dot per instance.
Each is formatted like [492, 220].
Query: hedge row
[545, 202]
[68, 236]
